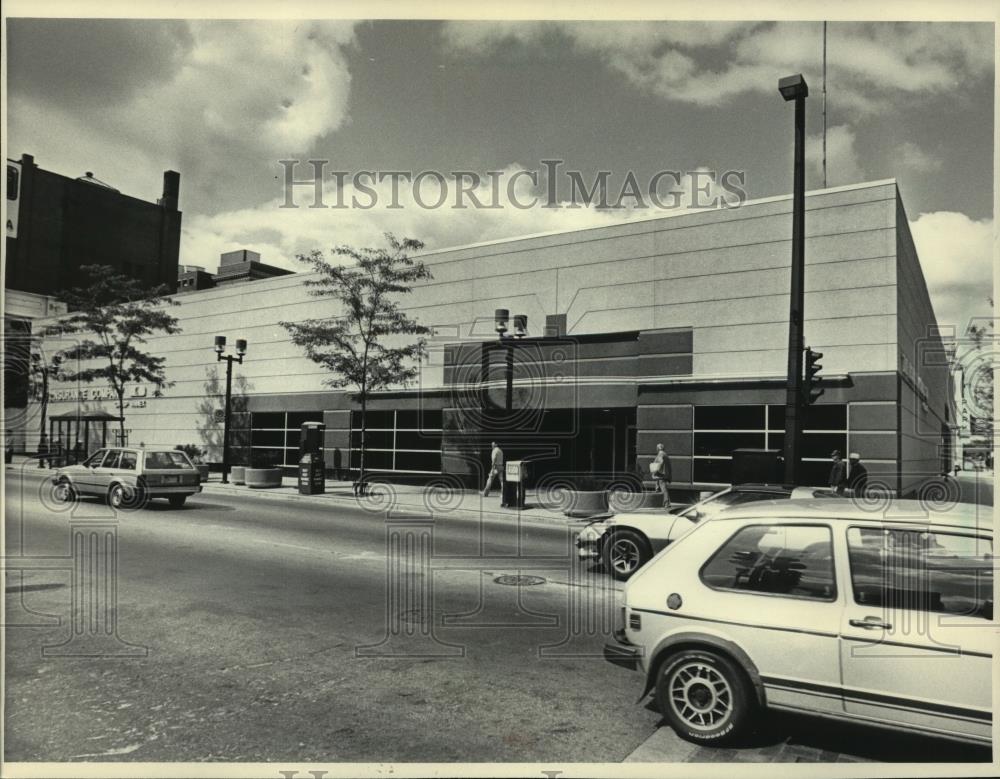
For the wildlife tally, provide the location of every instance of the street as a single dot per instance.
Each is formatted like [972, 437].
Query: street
[259, 629]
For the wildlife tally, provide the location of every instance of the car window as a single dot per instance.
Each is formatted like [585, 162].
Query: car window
[156, 461]
[111, 461]
[949, 573]
[128, 461]
[94, 460]
[791, 560]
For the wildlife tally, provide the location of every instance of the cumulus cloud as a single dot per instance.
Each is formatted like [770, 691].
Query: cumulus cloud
[706, 63]
[913, 157]
[292, 231]
[227, 98]
[956, 254]
[842, 164]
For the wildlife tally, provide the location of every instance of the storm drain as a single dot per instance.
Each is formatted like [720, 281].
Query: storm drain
[512, 580]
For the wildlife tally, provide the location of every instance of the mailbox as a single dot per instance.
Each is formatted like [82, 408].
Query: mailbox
[312, 467]
[515, 480]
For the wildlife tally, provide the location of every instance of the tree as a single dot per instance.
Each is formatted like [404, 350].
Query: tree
[120, 312]
[351, 343]
[42, 370]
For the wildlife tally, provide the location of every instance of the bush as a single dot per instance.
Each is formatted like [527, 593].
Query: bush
[193, 451]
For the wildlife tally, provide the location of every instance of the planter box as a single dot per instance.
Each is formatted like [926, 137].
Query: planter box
[585, 504]
[237, 474]
[263, 478]
[202, 471]
[624, 502]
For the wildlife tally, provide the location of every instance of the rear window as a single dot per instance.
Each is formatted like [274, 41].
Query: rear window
[161, 461]
[947, 573]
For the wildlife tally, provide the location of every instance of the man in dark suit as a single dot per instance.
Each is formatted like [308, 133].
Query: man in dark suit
[857, 475]
[838, 472]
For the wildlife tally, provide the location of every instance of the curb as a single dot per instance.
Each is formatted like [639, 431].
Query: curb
[215, 488]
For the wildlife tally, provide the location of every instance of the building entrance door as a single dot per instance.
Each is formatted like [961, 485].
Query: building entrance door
[602, 449]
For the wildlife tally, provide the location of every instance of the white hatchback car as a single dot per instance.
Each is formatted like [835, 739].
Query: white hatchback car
[822, 607]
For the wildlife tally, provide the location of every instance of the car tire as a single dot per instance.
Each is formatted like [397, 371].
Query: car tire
[125, 498]
[624, 553]
[176, 501]
[63, 492]
[705, 696]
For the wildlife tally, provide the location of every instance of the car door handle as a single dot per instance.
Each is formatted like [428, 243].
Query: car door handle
[870, 623]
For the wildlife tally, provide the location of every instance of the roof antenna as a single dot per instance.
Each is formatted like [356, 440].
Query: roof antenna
[824, 105]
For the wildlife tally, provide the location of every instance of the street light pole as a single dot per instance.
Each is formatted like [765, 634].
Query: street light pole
[795, 88]
[220, 347]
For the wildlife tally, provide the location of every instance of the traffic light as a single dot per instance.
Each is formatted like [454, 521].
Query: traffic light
[811, 390]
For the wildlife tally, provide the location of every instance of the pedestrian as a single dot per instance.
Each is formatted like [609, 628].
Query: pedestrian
[8, 448]
[661, 473]
[857, 475]
[496, 469]
[838, 472]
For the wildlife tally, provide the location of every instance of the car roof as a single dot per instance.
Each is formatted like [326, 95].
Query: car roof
[910, 512]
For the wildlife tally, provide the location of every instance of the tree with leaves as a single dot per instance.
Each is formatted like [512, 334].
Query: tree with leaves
[352, 342]
[115, 314]
[43, 369]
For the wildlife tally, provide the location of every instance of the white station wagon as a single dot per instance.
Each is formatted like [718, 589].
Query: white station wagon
[128, 478]
[821, 607]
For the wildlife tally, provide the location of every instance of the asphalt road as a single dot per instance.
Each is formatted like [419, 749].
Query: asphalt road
[255, 629]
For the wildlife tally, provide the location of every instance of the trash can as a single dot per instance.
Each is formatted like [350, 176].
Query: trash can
[515, 478]
[312, 475]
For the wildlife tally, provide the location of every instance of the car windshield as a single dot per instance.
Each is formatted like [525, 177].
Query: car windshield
[158, 461]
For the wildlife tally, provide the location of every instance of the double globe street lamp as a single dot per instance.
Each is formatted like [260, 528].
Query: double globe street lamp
[241, 350]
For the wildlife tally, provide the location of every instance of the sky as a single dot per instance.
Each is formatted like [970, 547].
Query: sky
[222, 102]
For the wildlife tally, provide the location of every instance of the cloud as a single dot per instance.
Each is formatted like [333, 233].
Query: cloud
[912, 156]
[706, 63]
[842, 164]
[956, 254]
[217, 100]
[292, 231]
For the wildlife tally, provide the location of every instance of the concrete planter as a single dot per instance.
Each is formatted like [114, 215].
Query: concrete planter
[237, 474]
[585, 504]
[202, 471]
[262, 478]
[624, 502]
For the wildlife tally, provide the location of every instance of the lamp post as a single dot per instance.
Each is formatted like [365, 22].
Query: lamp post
[500, 317]
[795, 88]
[241, 350]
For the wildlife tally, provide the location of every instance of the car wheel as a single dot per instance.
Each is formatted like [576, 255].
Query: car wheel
[624, 553]
[176, 501]
[64, 492]
[705, 697]
[126, 498]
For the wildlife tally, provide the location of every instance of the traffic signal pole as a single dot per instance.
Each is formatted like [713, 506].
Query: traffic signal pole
[793, 387]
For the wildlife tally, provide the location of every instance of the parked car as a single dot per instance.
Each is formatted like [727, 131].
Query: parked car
[129, 477]
[821, 607]
[625, 542]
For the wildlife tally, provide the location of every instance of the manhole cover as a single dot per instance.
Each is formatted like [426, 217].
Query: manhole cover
[513, 581]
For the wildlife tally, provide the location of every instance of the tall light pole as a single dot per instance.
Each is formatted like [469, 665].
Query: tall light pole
[501, 317]
[241, 350]
[795, 88]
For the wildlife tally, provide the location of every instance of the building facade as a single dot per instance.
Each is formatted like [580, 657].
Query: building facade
[667, 330]
[56, 224]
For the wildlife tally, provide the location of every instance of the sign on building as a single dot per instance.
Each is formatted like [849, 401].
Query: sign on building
[13, 196]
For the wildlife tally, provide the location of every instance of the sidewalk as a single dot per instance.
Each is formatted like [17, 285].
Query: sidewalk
[384, 496]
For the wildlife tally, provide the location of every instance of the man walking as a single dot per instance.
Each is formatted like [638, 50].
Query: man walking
[857, 475]
[496, 469]
[661, 473]
[838, 472]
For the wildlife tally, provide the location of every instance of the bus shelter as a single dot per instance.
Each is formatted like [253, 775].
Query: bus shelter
[75, 436]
